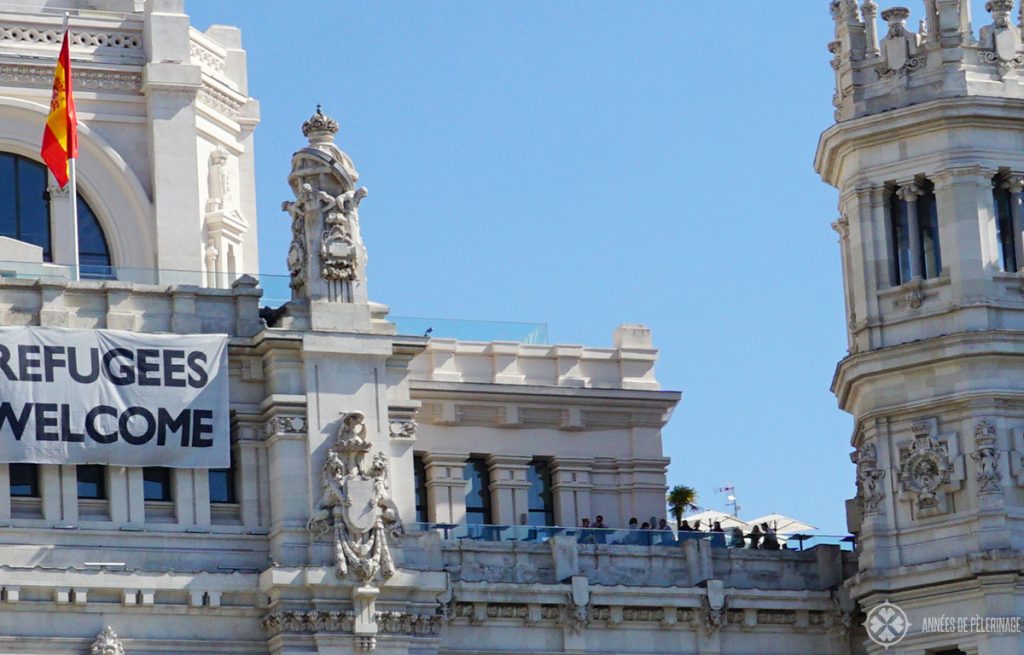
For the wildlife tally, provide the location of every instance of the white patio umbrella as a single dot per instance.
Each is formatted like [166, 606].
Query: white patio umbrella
[727, 520]
[783, 525]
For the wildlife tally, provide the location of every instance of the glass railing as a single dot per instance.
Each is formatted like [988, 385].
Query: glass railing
[275, 287]
[619, 537]
[472, 330]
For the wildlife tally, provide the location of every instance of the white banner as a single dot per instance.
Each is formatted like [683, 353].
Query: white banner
[110, 397]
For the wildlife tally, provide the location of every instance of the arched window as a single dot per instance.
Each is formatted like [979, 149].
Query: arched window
[25, 215]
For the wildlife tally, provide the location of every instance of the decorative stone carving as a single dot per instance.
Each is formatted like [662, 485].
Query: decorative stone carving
[869, 479]
[402, 429]
[986, 459]
[327, 258]
[1001, 41]
[926, 471]
[324, 621]
[900, 49]
[711, 618]
[576, 617]
[107, 643]
[284, 424]
[355, 502]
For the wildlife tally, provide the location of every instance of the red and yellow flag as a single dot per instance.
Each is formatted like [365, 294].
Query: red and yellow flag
[60, 138]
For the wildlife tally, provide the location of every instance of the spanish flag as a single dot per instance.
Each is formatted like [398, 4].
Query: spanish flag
[60, 138]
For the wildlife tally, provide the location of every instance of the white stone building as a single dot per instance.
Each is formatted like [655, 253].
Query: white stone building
[406, 494]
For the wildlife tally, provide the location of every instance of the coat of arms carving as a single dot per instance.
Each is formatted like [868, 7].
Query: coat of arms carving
[356, 506]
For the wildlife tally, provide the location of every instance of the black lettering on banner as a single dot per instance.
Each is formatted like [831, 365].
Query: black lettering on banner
[94, 370]
[90, 424]
[5, 357]
[43, 421]
[25, 362]
[174, 367]
[166, 424]
[126, 433]
[148, 366]
[17, 423]
[202, 377]
[65, 427]
[199, 428]
[51, 361]
[126, 374]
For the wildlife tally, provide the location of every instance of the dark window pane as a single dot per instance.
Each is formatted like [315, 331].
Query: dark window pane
[25, 215]
[419, 474]
[33, 205]
[24, 480]
[928, 220]
[1004, 229]
[91, 481]
[541, 508]
[156, 482]
[478, 493]
[900, 236]
[222, 486]
[93, 254]
[8, 197]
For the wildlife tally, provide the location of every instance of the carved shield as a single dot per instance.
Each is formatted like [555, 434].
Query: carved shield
[363, 510]
[896, 53]
[1006, 44]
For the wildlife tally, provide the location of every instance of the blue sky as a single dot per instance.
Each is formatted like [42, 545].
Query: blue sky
[587, 164]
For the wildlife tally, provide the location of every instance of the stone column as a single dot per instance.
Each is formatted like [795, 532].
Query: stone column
[909, 193]
[1015, 185]
[446, 489]
[570, 490]
[970, 250]
[61, 226]
[870, 11]
[510, 487]
[170, 87]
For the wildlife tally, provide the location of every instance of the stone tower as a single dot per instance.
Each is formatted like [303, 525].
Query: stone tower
[928, 154]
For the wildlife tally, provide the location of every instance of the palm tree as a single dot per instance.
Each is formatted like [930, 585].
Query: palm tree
[681, 498]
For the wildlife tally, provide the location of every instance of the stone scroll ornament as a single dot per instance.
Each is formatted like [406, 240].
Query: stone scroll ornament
[356, 506]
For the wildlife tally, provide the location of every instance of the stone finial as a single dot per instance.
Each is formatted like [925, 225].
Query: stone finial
[999, 6]
[107, 643]
[896, 16]
[320, 127]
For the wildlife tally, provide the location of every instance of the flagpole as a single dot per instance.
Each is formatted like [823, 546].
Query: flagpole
[73, 192]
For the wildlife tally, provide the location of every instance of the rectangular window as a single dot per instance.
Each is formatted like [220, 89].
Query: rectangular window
[92, 482]
[156, 482]
[541, 507]
[222, 484]
[899, 269]
[928, 220]
[419, 474]
[478, 491]
[1004, 228]
[24, 480]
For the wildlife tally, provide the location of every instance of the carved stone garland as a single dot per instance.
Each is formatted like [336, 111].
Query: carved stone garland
[107, 643]
[355, 505]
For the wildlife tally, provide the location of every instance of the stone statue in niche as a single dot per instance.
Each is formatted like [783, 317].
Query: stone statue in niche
[219, 181]
[355, 503]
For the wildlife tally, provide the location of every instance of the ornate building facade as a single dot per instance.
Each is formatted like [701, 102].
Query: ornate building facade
[397, 493]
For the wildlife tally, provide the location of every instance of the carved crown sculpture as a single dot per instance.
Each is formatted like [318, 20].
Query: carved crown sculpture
[326, 258]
